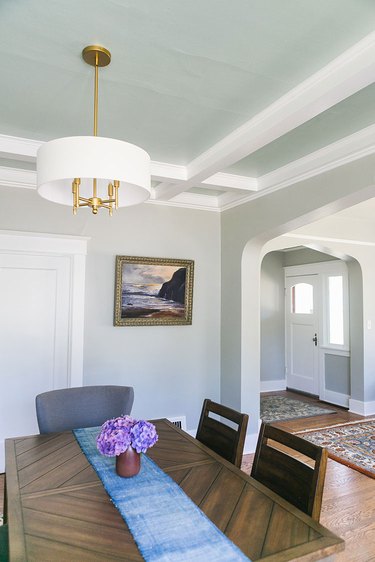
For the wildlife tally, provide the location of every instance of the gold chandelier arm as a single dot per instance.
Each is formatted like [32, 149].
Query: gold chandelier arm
[75, 190]
[117, 185]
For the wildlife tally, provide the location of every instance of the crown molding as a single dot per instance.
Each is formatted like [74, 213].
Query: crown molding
[15, 177]
[191, 201]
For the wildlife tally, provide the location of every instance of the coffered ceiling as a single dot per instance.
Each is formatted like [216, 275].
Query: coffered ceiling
[232, 100]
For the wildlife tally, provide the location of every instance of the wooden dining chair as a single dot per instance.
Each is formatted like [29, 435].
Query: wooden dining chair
[86, 406]
[291, 478]
[226, 440]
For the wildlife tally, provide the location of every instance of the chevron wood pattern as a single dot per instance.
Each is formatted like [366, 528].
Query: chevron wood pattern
[59, 510]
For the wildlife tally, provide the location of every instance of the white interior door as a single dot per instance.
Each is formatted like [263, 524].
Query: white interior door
[36, 323]
[302, 337]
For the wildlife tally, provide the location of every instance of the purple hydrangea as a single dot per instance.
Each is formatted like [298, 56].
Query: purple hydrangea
[118, 434]
[143, 435]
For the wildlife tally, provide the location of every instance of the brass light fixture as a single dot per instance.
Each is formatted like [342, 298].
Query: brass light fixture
[96, 171]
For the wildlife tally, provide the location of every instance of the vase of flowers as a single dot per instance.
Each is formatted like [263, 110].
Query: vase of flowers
[126, 438]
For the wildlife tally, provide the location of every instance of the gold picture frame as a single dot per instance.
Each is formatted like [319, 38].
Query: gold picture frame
[153, 291]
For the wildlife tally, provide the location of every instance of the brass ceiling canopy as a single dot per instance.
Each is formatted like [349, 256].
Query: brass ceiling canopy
[95, 55]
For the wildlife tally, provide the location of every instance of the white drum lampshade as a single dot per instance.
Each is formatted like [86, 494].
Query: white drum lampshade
[62, 160]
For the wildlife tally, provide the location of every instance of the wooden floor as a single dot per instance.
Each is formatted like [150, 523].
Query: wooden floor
[349, 497]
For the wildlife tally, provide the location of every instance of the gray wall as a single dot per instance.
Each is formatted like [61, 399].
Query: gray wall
[245, 229]
[172, 368]
[272, 317]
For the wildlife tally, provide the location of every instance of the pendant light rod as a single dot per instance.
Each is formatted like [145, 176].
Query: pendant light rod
[96, 95]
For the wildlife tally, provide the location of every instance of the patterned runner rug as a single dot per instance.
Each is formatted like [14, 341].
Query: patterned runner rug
[352, 444]
[279, 408]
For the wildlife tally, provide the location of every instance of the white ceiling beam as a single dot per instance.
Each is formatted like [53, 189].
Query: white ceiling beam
[341, 78]
[17, 148]
[231, 181]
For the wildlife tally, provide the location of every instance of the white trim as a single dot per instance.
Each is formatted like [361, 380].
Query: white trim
[163, 171]
[40, 242]
[15, 177]
[346, 150]
[232, 181]
[336, 398]
[272, 386]
[361, 408]
[189, 201]
[19, 148]
[35, 243]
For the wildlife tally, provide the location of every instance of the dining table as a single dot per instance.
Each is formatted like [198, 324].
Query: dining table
[58, 510]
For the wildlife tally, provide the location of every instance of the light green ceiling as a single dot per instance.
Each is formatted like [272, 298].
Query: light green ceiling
[183, 74]
[349, 116]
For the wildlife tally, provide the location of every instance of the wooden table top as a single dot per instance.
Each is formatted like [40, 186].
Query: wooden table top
[59, 511]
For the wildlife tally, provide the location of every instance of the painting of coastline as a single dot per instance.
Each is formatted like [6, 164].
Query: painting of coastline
[153, 291]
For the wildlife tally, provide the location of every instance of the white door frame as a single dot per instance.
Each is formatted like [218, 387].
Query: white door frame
[323, 270]
[75, 248]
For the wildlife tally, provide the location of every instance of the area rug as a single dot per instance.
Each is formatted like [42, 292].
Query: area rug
[352, 444]
[279, 408]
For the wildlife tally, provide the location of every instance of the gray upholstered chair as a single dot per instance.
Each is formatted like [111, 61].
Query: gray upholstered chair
[86, 406]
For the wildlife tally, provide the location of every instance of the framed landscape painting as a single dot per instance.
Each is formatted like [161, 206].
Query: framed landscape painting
[153, 291]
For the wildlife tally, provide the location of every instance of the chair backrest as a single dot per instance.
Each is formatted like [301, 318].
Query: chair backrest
[291, 478]
[86, 406]
[226, 441]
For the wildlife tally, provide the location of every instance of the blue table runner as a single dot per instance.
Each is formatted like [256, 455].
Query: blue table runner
[165, 523]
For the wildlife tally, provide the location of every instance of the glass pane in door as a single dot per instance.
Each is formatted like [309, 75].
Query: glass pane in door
[302, 301]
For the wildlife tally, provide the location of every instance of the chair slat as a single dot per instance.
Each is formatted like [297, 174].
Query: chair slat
[290, 477]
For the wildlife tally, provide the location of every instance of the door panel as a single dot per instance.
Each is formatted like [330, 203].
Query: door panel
[34, 337]
[302, 359]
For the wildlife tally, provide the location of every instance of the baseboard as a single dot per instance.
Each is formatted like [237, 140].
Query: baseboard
[335, 398]
[362, 408]
[272, 386]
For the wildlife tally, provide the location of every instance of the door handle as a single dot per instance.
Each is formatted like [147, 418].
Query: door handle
[315, 339]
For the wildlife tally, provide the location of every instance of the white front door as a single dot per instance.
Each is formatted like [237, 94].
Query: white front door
[40, 330]
[302, 337]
